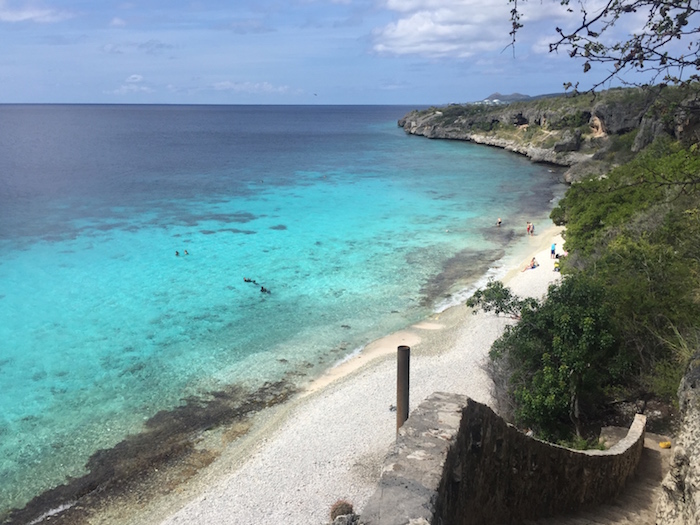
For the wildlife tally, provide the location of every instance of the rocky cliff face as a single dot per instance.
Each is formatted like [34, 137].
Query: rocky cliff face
[680, 502]
[584, 131]
[503, 128]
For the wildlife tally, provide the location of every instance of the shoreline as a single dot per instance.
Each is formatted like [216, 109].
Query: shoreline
[328, 443]
[416, 333]
[351, 398]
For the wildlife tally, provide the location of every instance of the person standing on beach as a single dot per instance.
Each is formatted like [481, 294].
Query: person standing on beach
[553, 252]
[528, 228]
[532, 228]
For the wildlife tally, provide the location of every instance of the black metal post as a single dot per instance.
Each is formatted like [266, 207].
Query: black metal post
[402, 384]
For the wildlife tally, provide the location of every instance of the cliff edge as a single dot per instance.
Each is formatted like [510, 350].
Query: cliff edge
[589, 133]
[680, 501]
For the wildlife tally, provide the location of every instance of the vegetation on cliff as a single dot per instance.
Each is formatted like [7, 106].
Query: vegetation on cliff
[592, 133]
[623, 321]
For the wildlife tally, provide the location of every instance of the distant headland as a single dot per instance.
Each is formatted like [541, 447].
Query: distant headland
[590, 133]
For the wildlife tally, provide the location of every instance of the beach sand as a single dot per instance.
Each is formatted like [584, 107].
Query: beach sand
[330, 441]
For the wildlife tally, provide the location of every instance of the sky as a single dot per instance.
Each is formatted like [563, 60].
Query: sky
[412, 52]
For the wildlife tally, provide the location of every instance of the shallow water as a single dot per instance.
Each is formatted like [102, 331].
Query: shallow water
[356, 229]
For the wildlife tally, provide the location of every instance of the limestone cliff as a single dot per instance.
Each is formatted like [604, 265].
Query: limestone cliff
[588, 133]
[680, 502]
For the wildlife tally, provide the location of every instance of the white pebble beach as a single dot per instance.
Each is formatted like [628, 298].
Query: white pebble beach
[330, 441]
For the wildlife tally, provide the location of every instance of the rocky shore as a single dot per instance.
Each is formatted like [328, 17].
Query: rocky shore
[588, 133]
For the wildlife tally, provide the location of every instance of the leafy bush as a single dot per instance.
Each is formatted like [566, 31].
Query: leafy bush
[626, 312]
[561, 352]
[657, 175]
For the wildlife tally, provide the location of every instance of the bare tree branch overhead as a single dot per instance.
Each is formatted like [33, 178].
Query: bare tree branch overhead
[664, 47]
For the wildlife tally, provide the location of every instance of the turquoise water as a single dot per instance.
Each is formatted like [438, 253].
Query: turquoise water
[355, 228]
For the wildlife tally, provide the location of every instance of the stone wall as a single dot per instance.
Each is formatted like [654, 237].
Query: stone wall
[455, 462]
[680, 501]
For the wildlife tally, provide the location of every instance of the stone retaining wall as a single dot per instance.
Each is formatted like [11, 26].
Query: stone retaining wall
[455, 462]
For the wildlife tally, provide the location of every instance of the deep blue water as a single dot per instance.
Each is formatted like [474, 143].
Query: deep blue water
[356, 228]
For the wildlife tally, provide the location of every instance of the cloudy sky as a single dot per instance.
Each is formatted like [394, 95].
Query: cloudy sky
[278, 51]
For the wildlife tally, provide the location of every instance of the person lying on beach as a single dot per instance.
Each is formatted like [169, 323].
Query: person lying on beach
[533, 264]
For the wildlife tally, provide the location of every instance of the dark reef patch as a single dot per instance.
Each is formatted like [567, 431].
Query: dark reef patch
[227, 218]
[465, 265]
[236, 230]
[103, 227]
[278, 227]
[159, 458]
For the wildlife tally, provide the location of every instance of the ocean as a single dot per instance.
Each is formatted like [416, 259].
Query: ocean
[154, 256]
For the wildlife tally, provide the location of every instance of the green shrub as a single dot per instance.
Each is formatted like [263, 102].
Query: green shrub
[627, 311]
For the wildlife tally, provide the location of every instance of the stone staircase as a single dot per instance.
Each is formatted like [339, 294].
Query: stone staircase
[637, 503]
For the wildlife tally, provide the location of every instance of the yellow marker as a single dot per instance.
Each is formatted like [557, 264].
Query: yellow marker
[665, 444]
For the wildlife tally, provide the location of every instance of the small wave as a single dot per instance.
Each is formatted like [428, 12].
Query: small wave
[493, 273]
[357, 351]
[53, 512]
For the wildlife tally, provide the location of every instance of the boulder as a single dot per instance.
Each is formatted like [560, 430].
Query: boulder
[649, 129]
[687, 121]
[570, 141]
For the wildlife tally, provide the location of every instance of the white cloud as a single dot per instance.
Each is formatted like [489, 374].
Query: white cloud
[112, 49]
[117, 22]
[434, 28]
[132, 84]
[249, 87]
[407, 6]
[31, 14]
[151, 47]
[456, 28]
[134, 89]
[464, 28]
[127, 89]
